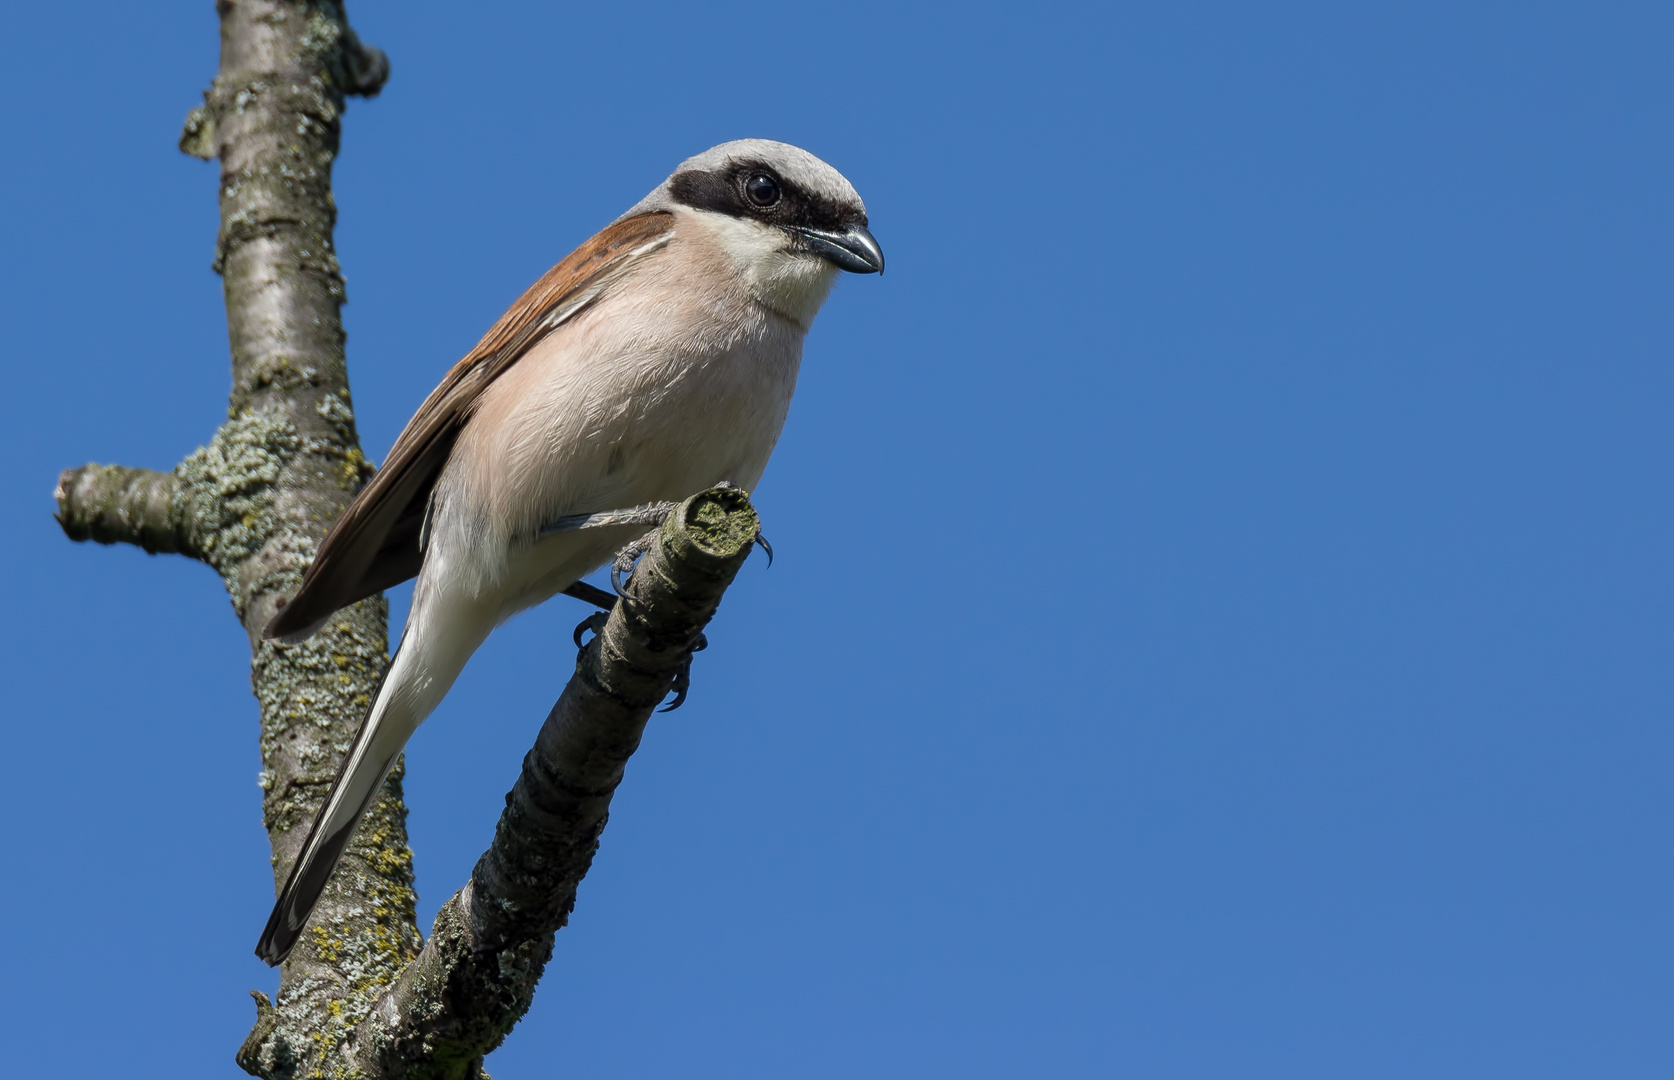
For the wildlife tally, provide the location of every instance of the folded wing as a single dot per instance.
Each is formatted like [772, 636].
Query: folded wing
[375, 544]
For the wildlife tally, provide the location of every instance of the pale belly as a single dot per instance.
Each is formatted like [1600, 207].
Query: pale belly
[570, 437]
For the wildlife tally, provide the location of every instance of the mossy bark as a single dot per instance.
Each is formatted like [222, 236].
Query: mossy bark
[276, 475]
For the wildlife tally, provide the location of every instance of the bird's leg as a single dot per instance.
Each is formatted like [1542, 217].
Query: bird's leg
[591, 594]
[623, 566]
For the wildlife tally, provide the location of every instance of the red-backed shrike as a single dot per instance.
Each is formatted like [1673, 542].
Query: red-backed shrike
[655, 361]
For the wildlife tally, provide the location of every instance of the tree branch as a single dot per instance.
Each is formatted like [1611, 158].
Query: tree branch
[476, 975]
[276, 475]
[110, 504]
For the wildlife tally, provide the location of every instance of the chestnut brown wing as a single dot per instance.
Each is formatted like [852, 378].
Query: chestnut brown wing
[375, 544]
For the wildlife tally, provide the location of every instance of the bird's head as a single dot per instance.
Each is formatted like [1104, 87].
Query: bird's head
[788, 220]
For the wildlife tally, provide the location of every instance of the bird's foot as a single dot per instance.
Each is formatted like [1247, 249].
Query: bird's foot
[594, 622]
[683, 675]
[622, 567]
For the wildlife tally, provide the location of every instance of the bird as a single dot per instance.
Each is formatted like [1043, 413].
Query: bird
[655, 361]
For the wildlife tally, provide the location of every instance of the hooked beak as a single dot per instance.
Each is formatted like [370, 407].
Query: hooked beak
[853, 249]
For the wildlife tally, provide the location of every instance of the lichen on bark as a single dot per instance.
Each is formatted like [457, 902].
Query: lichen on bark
[279, 471]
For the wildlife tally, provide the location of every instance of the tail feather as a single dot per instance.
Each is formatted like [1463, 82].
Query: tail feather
[443, 630]
[375, 748]
[444, 627]
[309, 876]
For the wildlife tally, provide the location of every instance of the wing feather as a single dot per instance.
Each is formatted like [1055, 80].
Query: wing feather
[375, 544]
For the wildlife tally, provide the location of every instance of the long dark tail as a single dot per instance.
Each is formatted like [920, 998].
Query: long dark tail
[377, 743]
[443, 630]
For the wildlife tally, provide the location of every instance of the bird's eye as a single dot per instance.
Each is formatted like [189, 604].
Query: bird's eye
[763, 190]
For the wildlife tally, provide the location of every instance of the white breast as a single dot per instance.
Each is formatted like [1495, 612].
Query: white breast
[679, 379]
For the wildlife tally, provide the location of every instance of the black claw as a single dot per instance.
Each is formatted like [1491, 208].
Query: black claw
[765, 546]
[682, 683]
[683, 676]
[594, 622]
[622, 567]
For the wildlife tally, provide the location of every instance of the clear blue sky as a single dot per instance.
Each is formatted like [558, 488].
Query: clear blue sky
[1221, 624]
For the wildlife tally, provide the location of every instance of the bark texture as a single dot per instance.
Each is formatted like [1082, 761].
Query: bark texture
[112, 504]
[357, 996]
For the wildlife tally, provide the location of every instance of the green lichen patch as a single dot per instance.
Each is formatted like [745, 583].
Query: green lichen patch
[335, 410]
[313, 696]
[321, 36]
[720, 523]
[231, 484]
[364, 929]
[197, 137]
